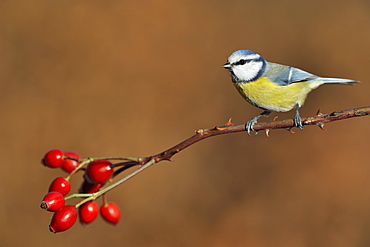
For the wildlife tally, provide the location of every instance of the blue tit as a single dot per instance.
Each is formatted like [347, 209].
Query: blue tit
[273, 87]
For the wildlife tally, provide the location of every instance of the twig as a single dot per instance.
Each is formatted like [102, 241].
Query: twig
[319, 119]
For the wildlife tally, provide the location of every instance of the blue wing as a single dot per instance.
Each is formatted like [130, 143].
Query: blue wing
[285, 75]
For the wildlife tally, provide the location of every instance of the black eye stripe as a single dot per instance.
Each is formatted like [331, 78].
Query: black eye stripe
[244, 61]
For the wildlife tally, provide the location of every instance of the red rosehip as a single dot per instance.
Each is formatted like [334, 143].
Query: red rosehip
[87, 187]
[68, 164]
[99, 171]
[88, 212]
[53, 201]
[53, 158]
[110, 212]
[61, 185]
[63, 219]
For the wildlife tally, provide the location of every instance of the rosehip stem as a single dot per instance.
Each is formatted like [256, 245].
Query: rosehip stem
[104, 199]
[77, 195]
[93, 196]
[84, 161]
[124, 179]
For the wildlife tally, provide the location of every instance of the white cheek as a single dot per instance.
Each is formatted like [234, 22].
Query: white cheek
[247, 71]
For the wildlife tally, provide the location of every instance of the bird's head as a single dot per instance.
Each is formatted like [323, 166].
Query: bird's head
[245, 66]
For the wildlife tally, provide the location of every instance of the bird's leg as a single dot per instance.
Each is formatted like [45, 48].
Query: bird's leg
[249, 125]
[297, 118]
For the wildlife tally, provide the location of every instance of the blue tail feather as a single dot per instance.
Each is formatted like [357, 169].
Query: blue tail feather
[338, 81]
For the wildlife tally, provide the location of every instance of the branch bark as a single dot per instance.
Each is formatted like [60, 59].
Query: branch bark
[145, 162]
[319, 119]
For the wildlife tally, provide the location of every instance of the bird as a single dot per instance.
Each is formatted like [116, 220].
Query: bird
[273, 87]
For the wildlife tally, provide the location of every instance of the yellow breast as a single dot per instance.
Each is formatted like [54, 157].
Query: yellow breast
[271, 96]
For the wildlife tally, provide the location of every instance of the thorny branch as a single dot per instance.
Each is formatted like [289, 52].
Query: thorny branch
[145, 162]
[319, 119]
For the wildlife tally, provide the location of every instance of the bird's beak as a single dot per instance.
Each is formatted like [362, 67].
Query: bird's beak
[227, 65]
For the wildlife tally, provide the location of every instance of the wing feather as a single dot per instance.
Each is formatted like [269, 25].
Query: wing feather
[285, 75]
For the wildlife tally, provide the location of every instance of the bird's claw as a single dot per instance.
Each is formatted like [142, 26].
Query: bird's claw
[298, 121]
[297, 118]
[249, 126]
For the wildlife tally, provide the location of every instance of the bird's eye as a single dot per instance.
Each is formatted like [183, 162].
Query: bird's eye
[241, 62]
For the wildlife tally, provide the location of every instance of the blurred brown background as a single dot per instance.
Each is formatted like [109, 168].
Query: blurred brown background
[133, 78]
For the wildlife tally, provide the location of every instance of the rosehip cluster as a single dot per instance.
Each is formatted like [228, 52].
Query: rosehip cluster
[56, 158]
[97, 174]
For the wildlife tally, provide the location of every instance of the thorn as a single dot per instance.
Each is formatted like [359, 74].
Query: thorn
[318, 113]
[219, 128]
[267, 132]
[334, 114]
[212, 130]
[321, 125]
[229, 122]
[290, 130]
[274, 119]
